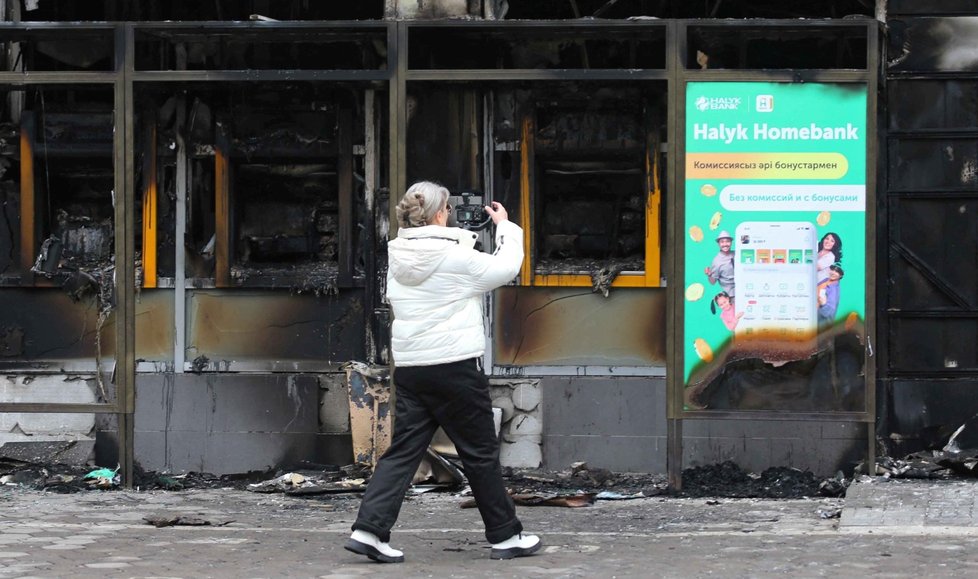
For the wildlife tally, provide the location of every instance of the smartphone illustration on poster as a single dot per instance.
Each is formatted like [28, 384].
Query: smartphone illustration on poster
[775, 288]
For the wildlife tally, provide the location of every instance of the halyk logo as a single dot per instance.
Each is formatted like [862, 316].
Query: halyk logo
[765, 103]
[717, 103]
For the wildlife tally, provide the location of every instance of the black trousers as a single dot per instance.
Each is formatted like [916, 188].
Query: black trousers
[454, 396]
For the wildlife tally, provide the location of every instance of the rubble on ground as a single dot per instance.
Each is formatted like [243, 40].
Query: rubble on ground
[578, 485]
[727, 479]
[957, 457]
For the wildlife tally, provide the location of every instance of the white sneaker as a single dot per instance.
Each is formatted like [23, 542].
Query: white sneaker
[364, 543]
[519, 545]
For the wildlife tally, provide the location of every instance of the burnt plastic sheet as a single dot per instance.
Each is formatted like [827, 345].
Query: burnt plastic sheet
[933, 44]
[933, 263]
[932, 7]
[715, 47]
[925, 413]
[914, 104]
[933, 345]
[832, 380]
[928, 164]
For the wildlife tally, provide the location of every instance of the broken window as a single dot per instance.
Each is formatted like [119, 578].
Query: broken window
[56, 163]
[716, 46]
[564, 125]
[590, 169]
[287, 48]
[490, 47]
[58, 188]
[579, 165]
[63, 141]
[275, 167]
[272, 181]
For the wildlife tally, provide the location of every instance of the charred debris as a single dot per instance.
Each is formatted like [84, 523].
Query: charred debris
[577, 485]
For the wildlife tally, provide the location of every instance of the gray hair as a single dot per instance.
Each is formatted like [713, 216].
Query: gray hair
[420, 203]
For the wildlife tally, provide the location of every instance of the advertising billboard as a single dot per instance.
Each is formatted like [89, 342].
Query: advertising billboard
[775, 246]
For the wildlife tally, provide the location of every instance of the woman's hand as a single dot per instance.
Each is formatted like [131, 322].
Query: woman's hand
[497, 212]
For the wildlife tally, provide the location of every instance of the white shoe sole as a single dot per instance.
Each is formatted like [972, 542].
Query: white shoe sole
[514, 552]
[371, 552]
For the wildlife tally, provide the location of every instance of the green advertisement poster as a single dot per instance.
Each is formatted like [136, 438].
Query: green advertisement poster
[775, 246]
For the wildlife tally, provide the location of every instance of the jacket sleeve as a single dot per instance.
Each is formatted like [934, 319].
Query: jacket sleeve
[490, 271]
[831, 302]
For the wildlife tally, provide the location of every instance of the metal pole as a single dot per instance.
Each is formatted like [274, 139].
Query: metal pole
[873, 51]
[673, 271]
[398, 119]
[369, 236]
[180, 258]
[124, 199]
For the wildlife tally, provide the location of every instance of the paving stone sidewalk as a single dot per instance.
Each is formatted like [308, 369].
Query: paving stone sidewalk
[105, 534]
[911, 505]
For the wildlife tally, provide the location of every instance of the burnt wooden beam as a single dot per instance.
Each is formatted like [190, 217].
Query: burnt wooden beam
[28, 200]
[150, 200]
[653, 207]
[527, 178]
[344, 174]
[222, 208]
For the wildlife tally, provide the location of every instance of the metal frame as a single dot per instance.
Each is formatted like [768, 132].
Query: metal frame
[399, 121]
[123, 78]
[889, 203]
[891, 376]
[123, 223]
[370, 78]
[676, 212]
[394, 78]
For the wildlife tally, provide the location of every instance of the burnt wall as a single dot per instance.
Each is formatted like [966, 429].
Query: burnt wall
[929, 257]
[615, 423]
[157, 10]
[575, 326]
[227, 424]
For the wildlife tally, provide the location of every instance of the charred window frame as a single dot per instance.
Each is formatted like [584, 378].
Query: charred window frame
[586, 77]
[57, 153]
[65, 129]
[273, 117]
[591, 169]
[64, 208]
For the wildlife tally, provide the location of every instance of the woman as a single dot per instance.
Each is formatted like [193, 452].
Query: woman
[829, 252]
[828, 295]
[435, 285]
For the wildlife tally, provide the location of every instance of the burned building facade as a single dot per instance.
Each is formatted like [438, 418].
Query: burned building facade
[197, 200]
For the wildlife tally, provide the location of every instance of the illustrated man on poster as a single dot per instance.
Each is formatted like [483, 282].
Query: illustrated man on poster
[721, 271]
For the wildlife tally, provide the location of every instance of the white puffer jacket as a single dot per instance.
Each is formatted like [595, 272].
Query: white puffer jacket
[435, 284]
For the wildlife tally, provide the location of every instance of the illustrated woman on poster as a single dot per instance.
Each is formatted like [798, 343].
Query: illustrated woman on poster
[828, 295]
[730, 319]
[829, 252]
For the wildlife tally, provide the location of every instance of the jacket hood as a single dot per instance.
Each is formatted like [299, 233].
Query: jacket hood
[418, 251]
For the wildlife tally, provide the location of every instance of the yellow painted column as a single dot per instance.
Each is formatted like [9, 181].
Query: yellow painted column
[150, 200]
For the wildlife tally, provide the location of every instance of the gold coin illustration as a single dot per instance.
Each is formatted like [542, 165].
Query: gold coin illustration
[715, 220]
[703, 350]
[694, 292]
[696, 233]
[823, 218]
[708, 190]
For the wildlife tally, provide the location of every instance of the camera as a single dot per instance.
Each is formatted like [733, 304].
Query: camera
[468, 210]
